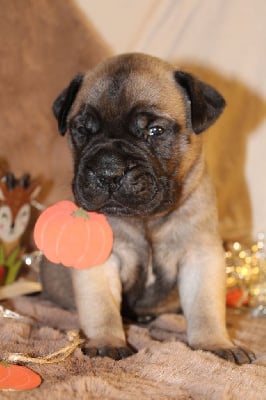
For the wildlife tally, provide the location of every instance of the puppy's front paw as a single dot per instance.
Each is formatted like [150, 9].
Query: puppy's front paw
[116, 353]
[238, 355]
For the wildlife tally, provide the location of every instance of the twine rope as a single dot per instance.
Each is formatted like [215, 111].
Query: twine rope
[57, 356]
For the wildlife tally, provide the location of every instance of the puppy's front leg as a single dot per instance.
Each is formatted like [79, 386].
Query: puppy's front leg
[98, 299]
[202, 294]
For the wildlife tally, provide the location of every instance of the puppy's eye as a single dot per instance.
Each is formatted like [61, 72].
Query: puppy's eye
[81, 130]
[79, 134]
[83, 126]
[155, 131]
[92, 124]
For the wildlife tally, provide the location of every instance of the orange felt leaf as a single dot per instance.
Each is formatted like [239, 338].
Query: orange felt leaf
[72, 236]
[18, 377]
[236, 297]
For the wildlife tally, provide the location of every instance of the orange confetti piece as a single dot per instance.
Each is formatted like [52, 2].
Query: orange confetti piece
[17, 377]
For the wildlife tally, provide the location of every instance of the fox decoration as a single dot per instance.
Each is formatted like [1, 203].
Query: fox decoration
[16, 196]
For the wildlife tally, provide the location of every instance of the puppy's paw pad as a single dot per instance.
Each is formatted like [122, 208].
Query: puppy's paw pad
[237, 355]
[116, 353]
[125, 352]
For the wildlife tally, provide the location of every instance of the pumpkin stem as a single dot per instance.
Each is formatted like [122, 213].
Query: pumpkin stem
[4, 363]
[80, 212]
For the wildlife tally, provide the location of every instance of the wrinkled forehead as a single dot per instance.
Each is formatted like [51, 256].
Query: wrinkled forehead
[118, 90]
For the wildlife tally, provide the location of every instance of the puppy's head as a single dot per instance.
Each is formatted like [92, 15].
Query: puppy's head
[134, 124]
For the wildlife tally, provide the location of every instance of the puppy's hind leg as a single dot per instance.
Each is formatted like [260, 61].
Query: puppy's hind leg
[98, 300]
[202, 295]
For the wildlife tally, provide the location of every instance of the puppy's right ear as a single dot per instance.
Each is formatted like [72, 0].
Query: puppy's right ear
[64, 101]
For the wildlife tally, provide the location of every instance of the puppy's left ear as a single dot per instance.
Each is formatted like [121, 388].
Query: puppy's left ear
[64, 101]
[205, 102]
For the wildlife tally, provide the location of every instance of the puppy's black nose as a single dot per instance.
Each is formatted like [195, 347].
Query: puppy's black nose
[110, 177]
[108, 168]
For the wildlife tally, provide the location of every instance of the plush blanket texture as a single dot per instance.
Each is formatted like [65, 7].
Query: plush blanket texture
[163, 368]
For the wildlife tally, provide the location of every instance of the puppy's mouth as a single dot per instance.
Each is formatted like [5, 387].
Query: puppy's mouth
[131, 192]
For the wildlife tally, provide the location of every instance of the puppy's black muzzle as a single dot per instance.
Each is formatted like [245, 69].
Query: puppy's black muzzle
[110, 180]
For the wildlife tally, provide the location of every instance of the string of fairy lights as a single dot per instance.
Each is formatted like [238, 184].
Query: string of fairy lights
[246, 275]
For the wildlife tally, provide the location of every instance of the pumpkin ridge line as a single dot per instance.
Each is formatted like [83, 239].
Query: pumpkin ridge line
[87, 248]
[60, 234]
[45, 227]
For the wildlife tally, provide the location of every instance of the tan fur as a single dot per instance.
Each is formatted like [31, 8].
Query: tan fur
[98, 298]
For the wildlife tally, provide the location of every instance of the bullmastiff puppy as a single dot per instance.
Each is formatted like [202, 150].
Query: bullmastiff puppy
[134, 125]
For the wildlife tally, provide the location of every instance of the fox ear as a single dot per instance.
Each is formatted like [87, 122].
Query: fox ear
[64, 101]
[206, 102]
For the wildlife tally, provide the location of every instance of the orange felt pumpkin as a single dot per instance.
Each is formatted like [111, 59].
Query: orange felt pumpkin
[72, 236]
[17, 377]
